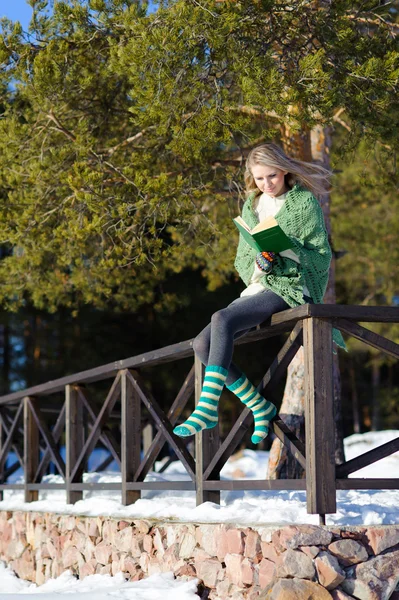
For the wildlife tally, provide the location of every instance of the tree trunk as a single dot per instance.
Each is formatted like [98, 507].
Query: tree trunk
[308, 145]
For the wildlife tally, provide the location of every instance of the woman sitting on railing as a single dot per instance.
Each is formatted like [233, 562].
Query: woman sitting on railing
[284, 188]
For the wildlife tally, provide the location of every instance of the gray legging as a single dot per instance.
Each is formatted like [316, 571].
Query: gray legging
[215, 344]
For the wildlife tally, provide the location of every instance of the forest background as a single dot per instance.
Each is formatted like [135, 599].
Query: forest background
[123, 134]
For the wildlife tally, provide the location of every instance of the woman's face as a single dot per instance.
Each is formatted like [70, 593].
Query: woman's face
[269, 179]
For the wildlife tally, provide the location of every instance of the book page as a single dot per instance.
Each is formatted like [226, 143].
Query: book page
[242, 223]
[265, 224]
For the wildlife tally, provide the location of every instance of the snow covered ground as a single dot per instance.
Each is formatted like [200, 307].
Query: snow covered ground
[370, 507]
[162, 586]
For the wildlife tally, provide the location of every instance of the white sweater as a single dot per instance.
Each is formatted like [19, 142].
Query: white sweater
[268, 206]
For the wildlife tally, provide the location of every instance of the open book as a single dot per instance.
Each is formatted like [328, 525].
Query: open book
[266, 236]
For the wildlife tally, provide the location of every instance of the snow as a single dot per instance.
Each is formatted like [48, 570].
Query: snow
[161, 586]
[258, 509]
[255, 508]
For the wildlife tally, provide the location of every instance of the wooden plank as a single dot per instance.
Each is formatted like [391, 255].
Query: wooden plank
[58, 430]
[283, 359]
[7, 443]
[289, 439]
[367, 484]
[376, 314]
[368, 458]
[163, 423]
[280, 322]
[230, 443]
[31, 448]
[106, 437]
[47, 435]
[95, 433]
[147, 359]
[74, 438]
[6, 421]
[207, 443]
[173, 414]
[130, 436]
[368, 337]
[319, 417]
[256, 484]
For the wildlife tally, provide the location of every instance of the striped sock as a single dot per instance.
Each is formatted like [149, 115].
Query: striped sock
[205, 415]
[263, 410]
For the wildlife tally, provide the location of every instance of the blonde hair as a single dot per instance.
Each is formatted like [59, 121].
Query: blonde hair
[313, 177]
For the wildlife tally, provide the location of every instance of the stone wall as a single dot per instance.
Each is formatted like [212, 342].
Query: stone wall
[293, 562]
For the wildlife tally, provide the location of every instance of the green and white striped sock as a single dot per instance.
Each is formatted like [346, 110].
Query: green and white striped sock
[263, 410]
[205, 415]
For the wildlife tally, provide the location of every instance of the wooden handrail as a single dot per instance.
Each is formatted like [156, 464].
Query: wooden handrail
[310, 325]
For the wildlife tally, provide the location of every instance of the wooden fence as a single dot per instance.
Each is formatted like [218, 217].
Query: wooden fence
[26, 432]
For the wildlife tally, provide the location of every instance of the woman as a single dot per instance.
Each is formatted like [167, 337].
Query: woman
[285, 188]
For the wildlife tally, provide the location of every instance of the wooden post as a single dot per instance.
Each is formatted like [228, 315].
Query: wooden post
[130, 437]
[31, 449]
[206, 444]
[74, 439]
[319, 418]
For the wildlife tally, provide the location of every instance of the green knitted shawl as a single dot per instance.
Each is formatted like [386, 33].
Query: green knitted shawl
[301, 218]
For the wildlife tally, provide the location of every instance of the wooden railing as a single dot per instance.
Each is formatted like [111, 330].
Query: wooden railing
[25, 428]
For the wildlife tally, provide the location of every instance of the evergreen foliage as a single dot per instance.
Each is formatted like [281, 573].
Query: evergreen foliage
[123, 131]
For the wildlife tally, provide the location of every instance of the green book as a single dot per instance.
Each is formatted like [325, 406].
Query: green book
[266, 236]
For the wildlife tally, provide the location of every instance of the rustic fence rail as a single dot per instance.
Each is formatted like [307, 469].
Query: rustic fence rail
[25, 429]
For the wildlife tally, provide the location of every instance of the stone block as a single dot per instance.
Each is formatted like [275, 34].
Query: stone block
[123, 539]
[349, 552]
[142, 526]
[147, 543]
[72, 558]
[137, 547]
[16, 548]
[298, 589]
[102, 553]
[185, 570]
[233, 568]
[338, 594]
[252, 544]
[24, 567]
[109, 531]
[92, 528]
[130, 566]
[207, 537]
[106, 570]
[329, 571]
[235, 541]
[269, 552]
[381, 538]
[375, 579]
[187, 545]
[79, 540]
[208, 571]
[296, 564]
[247, 572]
[158, 543]
[86, 569]
[293, 536]
[311, 551]
[88, 550]
[144, 562]
[267, 571]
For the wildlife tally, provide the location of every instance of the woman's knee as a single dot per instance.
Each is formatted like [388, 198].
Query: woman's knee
[201, 346]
